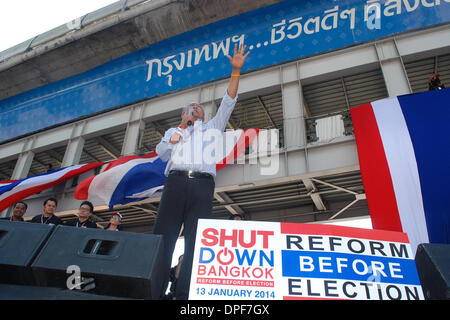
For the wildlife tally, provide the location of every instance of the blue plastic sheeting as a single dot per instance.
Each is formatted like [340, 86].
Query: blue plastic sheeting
[274, 34]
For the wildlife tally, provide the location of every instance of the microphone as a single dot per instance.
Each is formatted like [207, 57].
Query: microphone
[189, 123]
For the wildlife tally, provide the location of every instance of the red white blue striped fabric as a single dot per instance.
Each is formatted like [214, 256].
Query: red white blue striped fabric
[16, 190]
[127, 179]
[133, 178]
[403, 148]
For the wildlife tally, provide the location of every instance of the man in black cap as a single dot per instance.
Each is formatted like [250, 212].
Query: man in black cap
[19, 210]
[84, 212]
[48, 217]
[114, 222]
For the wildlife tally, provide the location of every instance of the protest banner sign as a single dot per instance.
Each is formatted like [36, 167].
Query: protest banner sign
[250, 260]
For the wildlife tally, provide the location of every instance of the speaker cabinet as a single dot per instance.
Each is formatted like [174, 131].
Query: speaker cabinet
[20, 242]
[433, 266]
[122, 264]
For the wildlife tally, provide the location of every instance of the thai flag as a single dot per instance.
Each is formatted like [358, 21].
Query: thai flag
[127, 179]
[135, 178]
[16, 190]
[404, 154]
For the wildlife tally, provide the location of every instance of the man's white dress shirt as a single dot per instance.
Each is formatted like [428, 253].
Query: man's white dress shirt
[192, 152]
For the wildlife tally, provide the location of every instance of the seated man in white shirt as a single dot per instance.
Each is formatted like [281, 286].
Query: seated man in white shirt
[189, 188]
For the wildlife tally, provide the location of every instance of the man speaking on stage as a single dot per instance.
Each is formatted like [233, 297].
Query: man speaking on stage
[189, 188]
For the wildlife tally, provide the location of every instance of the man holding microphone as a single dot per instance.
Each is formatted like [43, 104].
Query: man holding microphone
[189, 188]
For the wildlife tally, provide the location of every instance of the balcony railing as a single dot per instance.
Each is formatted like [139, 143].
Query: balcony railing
[326, 128]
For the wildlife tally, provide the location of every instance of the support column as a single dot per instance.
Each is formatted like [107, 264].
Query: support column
[134, 133]
[210, 109]
[21, 170]
[24, 161]
[73, 152]
[206, 99]
[394, 72]
[293, 116]
[74, 147]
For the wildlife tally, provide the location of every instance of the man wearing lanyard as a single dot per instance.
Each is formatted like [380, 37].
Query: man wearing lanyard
[48, 217]
[189, 187]
[84, 212]
[19, 210]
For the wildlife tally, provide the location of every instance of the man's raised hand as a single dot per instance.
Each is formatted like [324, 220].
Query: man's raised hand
[238, 59]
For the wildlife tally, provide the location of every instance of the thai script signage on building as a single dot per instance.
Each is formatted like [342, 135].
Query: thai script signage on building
[274, 34]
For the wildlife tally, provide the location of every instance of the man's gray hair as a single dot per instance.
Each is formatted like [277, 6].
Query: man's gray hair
[191, 104]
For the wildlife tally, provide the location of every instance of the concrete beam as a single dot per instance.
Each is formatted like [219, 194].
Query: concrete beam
[312, 191]
[73, 152]
[55, 156]
[293, 117]
[223, 198]
[291, 166]
[241, 176]
[393, 69]
[133, 134]
[23, 165]
[108, 147]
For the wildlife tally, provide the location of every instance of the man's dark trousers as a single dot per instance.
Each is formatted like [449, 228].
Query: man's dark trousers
[184, 200]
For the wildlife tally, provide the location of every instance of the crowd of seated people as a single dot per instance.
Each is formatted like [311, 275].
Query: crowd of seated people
[48, 216]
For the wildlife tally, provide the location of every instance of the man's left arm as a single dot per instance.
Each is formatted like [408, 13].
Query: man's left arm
[223, 114]
[229, 99]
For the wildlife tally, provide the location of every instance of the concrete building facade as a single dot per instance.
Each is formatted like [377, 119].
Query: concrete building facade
[305, 100]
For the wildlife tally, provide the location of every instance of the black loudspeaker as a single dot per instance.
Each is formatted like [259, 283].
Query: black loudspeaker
[122, 264]
[20, 242]
[433, 266]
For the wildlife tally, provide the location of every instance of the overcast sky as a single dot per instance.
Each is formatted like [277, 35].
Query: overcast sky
[21, 20]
